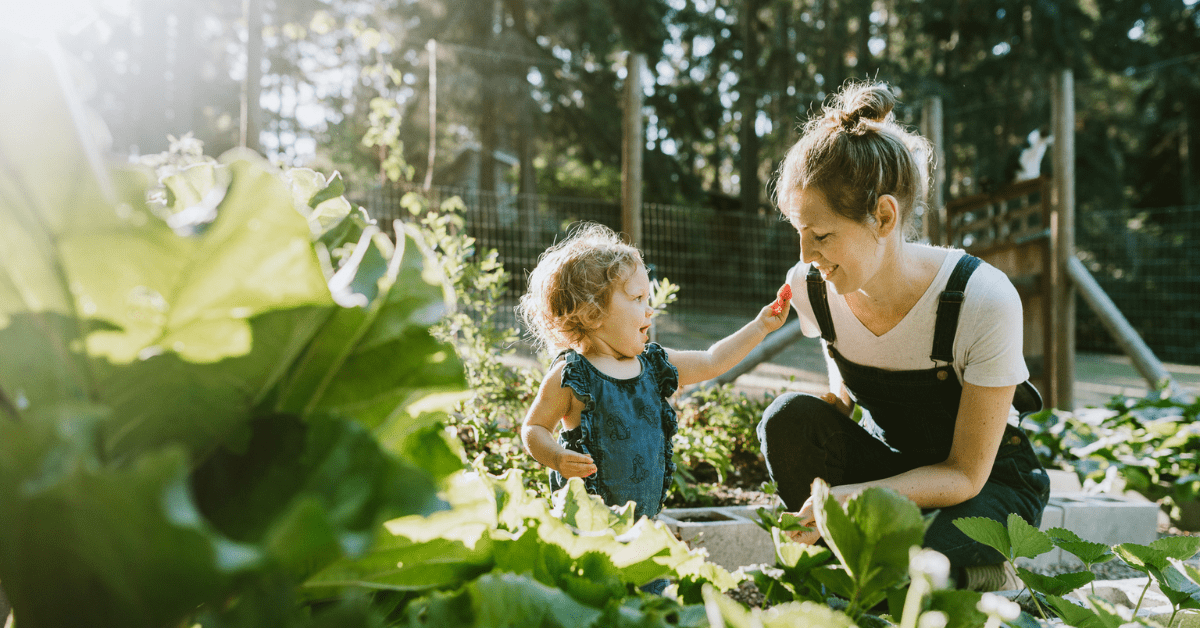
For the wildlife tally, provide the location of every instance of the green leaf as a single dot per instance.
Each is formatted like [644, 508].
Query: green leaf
[960, 607]
[1027, 541]
[836, 580]
[122, 546]
[1088, 552]
[795, 556]
[504, 599]
[371, 363]
[839, 531]
[987, 531]
[1141, 557]
[782, 615]
[1181, 591]
[582, 510]
[310, 492]
[1177, 547]
[1073, 614]
[1055, 585]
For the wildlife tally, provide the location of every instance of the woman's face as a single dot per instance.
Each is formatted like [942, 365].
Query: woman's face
[846, 252]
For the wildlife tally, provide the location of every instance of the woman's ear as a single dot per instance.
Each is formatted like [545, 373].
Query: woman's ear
[887, 215]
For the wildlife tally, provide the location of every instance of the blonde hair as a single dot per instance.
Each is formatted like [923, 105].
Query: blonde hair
[856, 152]
[572, 285]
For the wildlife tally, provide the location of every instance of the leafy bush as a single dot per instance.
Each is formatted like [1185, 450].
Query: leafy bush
[1151, 443]
[1161, 561]
[209, 390]
[717, 444]
[501, 556]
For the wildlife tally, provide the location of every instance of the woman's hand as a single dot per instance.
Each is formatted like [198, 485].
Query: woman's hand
[572, 464]
[839, 402]
[808, 519]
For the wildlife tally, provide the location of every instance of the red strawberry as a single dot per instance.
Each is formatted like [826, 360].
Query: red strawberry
[781, 299]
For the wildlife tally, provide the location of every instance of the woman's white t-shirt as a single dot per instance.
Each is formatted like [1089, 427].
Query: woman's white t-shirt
[987, 346]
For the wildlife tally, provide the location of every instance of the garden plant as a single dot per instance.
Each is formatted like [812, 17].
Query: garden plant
[228, 398]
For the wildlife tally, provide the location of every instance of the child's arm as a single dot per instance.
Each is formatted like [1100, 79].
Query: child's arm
[552, 403]
[698, 366]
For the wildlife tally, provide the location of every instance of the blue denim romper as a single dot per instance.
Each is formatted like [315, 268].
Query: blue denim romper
[911, 424]
[626, 427]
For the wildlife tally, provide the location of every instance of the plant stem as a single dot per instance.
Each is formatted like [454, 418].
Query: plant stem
[1142, 596]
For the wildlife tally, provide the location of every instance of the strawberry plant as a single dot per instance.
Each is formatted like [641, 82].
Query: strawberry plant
[1152, 444]
[1161, 560]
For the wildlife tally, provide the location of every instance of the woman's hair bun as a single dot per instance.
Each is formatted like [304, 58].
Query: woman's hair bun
[858, 103]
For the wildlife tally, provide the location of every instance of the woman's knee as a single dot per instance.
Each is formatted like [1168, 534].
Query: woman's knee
[794, 411]
[785, 414]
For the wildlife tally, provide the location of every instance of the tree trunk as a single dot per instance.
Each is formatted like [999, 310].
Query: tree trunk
[251, 114]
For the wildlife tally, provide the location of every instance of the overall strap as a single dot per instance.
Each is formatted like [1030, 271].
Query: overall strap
[949, 306]
[819, 299]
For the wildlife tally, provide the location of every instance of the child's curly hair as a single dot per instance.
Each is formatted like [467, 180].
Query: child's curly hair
[572, 285]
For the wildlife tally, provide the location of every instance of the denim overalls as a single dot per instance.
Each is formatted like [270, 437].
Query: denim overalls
[626, 427]
[911, 424]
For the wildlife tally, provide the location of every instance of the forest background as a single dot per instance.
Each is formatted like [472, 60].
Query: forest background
[526, 99]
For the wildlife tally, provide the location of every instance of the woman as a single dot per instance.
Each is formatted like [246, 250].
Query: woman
[927, 340]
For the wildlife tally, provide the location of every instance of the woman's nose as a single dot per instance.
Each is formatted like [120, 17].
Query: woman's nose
[808, 253]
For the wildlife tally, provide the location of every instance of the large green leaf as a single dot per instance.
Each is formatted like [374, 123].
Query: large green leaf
[88, 545]
[308, 491]
[1088, 552]
[144, 350]
[990, 532]
[1027, 541]
[370, 363]
[1061, 584]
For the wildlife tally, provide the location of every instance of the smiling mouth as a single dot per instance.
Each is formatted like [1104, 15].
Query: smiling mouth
[826, 271]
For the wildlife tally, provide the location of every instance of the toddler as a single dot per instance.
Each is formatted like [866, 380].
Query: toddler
[588, 302]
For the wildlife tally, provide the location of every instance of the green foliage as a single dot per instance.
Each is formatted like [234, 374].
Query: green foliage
[869, 540]
[501, 556]
[501, 386]
[1020, 539]
[1151, 443]
[194, 380]
[717, 443]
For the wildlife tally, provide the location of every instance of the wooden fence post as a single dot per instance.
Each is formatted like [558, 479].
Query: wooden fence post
[632, 145]
[1062, 226]
[931, 127]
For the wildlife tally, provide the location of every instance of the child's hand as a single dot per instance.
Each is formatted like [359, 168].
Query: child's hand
[783, 300]
[572, 464]
[774, 315]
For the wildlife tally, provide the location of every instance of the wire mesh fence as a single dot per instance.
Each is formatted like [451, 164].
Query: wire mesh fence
[725, 261]
[1148, 262]
[728, 262]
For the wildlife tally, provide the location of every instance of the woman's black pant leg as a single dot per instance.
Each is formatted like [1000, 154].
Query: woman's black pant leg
[804, 438]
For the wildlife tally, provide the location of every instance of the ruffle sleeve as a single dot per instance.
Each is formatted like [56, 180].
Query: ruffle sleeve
[665, 373]
[667, 377]
[575, 377]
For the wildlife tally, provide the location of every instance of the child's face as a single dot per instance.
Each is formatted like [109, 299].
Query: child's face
[623, 331]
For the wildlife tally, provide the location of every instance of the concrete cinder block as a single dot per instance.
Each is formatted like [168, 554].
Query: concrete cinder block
[1108, 519]
[729, 534]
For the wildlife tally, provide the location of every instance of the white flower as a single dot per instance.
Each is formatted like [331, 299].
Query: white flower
[930, 564]
[996, 606]
[933, 619]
